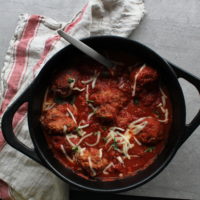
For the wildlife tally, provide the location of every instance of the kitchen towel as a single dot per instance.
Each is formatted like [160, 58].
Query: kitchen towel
[35, 40]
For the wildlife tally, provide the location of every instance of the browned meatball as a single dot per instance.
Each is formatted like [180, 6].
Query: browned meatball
[144, 78]
[63, 83]
[152, 133]
[109, 100]
[58, 119]
[91, 161]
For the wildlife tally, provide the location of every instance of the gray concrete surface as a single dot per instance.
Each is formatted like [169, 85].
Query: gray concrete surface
[172, 29]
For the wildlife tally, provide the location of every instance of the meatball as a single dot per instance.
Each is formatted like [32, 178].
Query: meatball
[64, 82]
[91, 161]
[152, 133]
[58, 119]
[109, 100]
[148, 98]
[147, 78]
[106, 112]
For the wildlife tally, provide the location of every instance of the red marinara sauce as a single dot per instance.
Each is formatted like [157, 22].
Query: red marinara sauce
[105, 126]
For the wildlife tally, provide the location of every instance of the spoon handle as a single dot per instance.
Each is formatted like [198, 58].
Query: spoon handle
[86, 49]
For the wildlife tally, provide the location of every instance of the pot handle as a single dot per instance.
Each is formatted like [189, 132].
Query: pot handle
[196, 82]
[7, 128]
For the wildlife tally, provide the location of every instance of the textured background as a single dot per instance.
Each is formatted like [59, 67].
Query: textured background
[172, 29]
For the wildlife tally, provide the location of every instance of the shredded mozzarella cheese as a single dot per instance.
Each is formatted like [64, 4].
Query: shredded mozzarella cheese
[91, 168]
[87, 93]
[65, 153]
[166, 116]
[94, 80]
[107, 167]
[97, 141]
[137, 141]
[71, 85]
[48, 106]
[87, 81]
[135, 80]
[119, 158]
[100, 153]
[88, 135]
[83, 126]
[78, 89]
[69, 141]
[72, 116]
[90, 115]
[64, 129]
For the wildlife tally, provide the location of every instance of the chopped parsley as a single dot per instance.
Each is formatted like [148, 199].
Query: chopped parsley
[75, 148]
[105, 73]
[77, 129]
[149, 149]
[90, 101]
[115, 144]
[96, 133]
[105, 139]
[104, 128]
[59, 100]
[136, 101]
[70, 80]
[157, 113]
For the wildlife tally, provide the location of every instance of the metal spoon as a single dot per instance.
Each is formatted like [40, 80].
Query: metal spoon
[87, 50]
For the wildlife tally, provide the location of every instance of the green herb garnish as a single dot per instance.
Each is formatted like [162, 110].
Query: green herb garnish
[59, 100]
[136, 101]
[70, 80]
[105, 73]
[77, 129]
[75, 148]
[105, 139]
[115, 144]
[157, 113]
[72, 99]
[90, 101]
[96, 133]
[149, 149]
[104, 128]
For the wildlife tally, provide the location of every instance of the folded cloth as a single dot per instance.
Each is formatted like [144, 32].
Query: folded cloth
[35, 40]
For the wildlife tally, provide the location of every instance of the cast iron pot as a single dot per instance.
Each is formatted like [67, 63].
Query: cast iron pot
[34, 95]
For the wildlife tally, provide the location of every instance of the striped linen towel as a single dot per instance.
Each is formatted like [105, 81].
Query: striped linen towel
[35, 40]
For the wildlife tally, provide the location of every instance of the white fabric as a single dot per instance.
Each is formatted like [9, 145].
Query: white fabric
[28, 179]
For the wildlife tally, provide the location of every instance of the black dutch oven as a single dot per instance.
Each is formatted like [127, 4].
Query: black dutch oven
[34, 95]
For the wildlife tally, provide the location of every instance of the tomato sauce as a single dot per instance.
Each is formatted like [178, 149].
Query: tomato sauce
[105, 126]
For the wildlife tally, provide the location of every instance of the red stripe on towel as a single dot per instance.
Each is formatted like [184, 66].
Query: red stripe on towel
[51, 41]
[19, 66]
